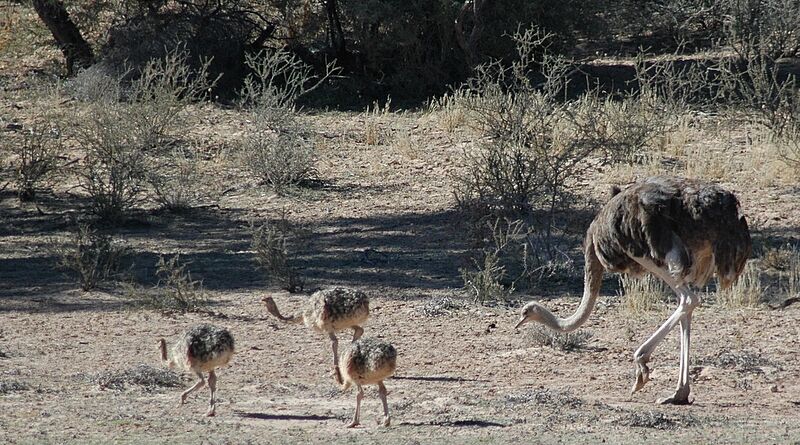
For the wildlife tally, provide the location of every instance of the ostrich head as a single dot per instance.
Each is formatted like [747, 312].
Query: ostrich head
[531, 312]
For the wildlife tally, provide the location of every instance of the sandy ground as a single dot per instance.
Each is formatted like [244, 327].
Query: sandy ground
[382, 221]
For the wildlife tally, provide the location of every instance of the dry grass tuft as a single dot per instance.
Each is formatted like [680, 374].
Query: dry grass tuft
[744, 361]
[374, 123]
[9, 386]
[562, 341]
[441, 306]
[747, 292]
[144, 376]
[545, 396]
[780, 258]
[786, 262]
[705, 163]
[642, 294]
[449, 110]
[657, 420]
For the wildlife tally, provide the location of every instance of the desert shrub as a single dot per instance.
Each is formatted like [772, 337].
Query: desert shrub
[789, 150]
[631, 125]
[493, 276]
[486, 282]
[409, 49]
[175, 180]
[688, 22]
[278, 78]
[91, 255]
[113, 172]
[513, 256]
[562, 341]
[449, 109]
[276, 245]
[164, 88]
[770, 98]
[539, 144]
[176, 289]
[277, 151]
[406, 49]
[156, 95]
[38, 155]
[127, 125]
[763, 28]
[642, 294]
[96, 84]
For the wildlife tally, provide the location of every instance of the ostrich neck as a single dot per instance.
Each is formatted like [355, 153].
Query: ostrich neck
[593, 278]
[292, 318]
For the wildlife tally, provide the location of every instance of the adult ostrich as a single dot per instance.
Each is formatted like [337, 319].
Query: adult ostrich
[681, 231]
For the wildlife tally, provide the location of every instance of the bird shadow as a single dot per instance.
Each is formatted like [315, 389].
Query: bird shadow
[436, 379]
[458, 423]
[264, 416]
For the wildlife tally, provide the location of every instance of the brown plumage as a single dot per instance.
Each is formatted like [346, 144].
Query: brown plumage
[330, 311]
[682, 231]
[368, 361]
[203, 348]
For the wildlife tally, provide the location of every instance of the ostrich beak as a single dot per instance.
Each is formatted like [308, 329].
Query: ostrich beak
[521, 322]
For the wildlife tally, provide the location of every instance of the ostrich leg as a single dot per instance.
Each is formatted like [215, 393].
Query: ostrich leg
[200, 383]
[681, 396]
[382, 393]
[682, 316]
[356, 416]
[212, 385]
[337, 374]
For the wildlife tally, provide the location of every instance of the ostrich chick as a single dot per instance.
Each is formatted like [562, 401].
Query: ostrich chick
[203, 348]
[368, 361]
[330, 311]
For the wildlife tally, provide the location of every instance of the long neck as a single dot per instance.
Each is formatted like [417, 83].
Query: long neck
[272, 308]
[163, 347]
[593, 278]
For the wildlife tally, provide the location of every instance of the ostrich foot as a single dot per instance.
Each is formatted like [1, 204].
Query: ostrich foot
[386, 421]
[642, 376]
[680, 397]
[353, 424]
[211, 412]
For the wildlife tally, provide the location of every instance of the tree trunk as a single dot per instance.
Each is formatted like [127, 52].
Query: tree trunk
[77, 51]
[470, 44]
[335, 32]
